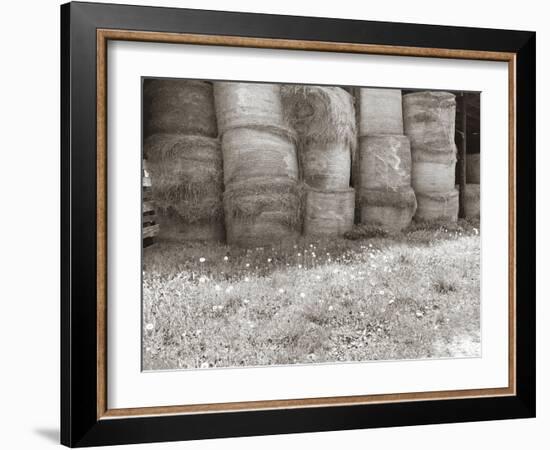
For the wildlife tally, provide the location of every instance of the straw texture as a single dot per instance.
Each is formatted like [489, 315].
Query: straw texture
[320, 114]
[326, 165]
[385, 162]
[329, 212]
[186, 174]
[429, 120]
[262, 211]
[437, 206]
[433, 172]
[324, 118]
[248, 105]
[178, 106]
[387, 209]
[257, 152]
[380, 111]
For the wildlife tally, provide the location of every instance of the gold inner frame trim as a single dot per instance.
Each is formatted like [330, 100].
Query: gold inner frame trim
[103, 36]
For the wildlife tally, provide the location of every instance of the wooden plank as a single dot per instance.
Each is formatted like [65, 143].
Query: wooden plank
[150, 231]
[148, 206]
[147, 242]
[149, 218]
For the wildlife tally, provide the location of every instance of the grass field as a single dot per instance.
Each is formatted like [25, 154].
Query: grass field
[370, 296]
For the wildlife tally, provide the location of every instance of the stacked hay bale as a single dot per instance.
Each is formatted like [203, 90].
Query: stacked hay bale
[384, 176]
[184, 158]
[429, 122]
[262, 197]
[471, 197]
[324, 118]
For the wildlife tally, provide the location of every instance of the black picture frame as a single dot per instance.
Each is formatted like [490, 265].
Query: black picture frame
[80, 425]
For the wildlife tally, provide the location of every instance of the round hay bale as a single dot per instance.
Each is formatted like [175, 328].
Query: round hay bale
[326, 165]
[172, 228]
[320, 114]
[472, 168]
[183, 166]
[437, 206]
[429, 120]
[257, 152]
[248, 105]
[186, 186]
[380, 111]
[385, 162]
[386, 209]
[433, 171]
[471, 200]
[329, 212]
[179, 106]
[262, 211]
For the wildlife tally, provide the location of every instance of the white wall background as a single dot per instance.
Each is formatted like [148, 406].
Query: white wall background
[29, 252]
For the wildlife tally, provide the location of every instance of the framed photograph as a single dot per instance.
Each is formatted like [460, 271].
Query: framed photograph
[277, 224]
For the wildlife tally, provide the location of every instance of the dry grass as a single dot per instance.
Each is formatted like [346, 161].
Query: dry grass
[405, 296]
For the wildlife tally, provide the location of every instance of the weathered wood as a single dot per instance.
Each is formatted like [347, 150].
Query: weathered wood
[147, 194]
[148, 241]
[149, 218]
[148, 206]
[150, 231]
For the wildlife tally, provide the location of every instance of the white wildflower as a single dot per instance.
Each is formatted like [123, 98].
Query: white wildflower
[330, 308]
[268, 259]
[281, 290]
[226, 258]
[149, 326]
[201, 259]
[246, 279]
[302, 295]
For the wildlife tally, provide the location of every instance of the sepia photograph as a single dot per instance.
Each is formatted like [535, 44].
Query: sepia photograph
[292, 224]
